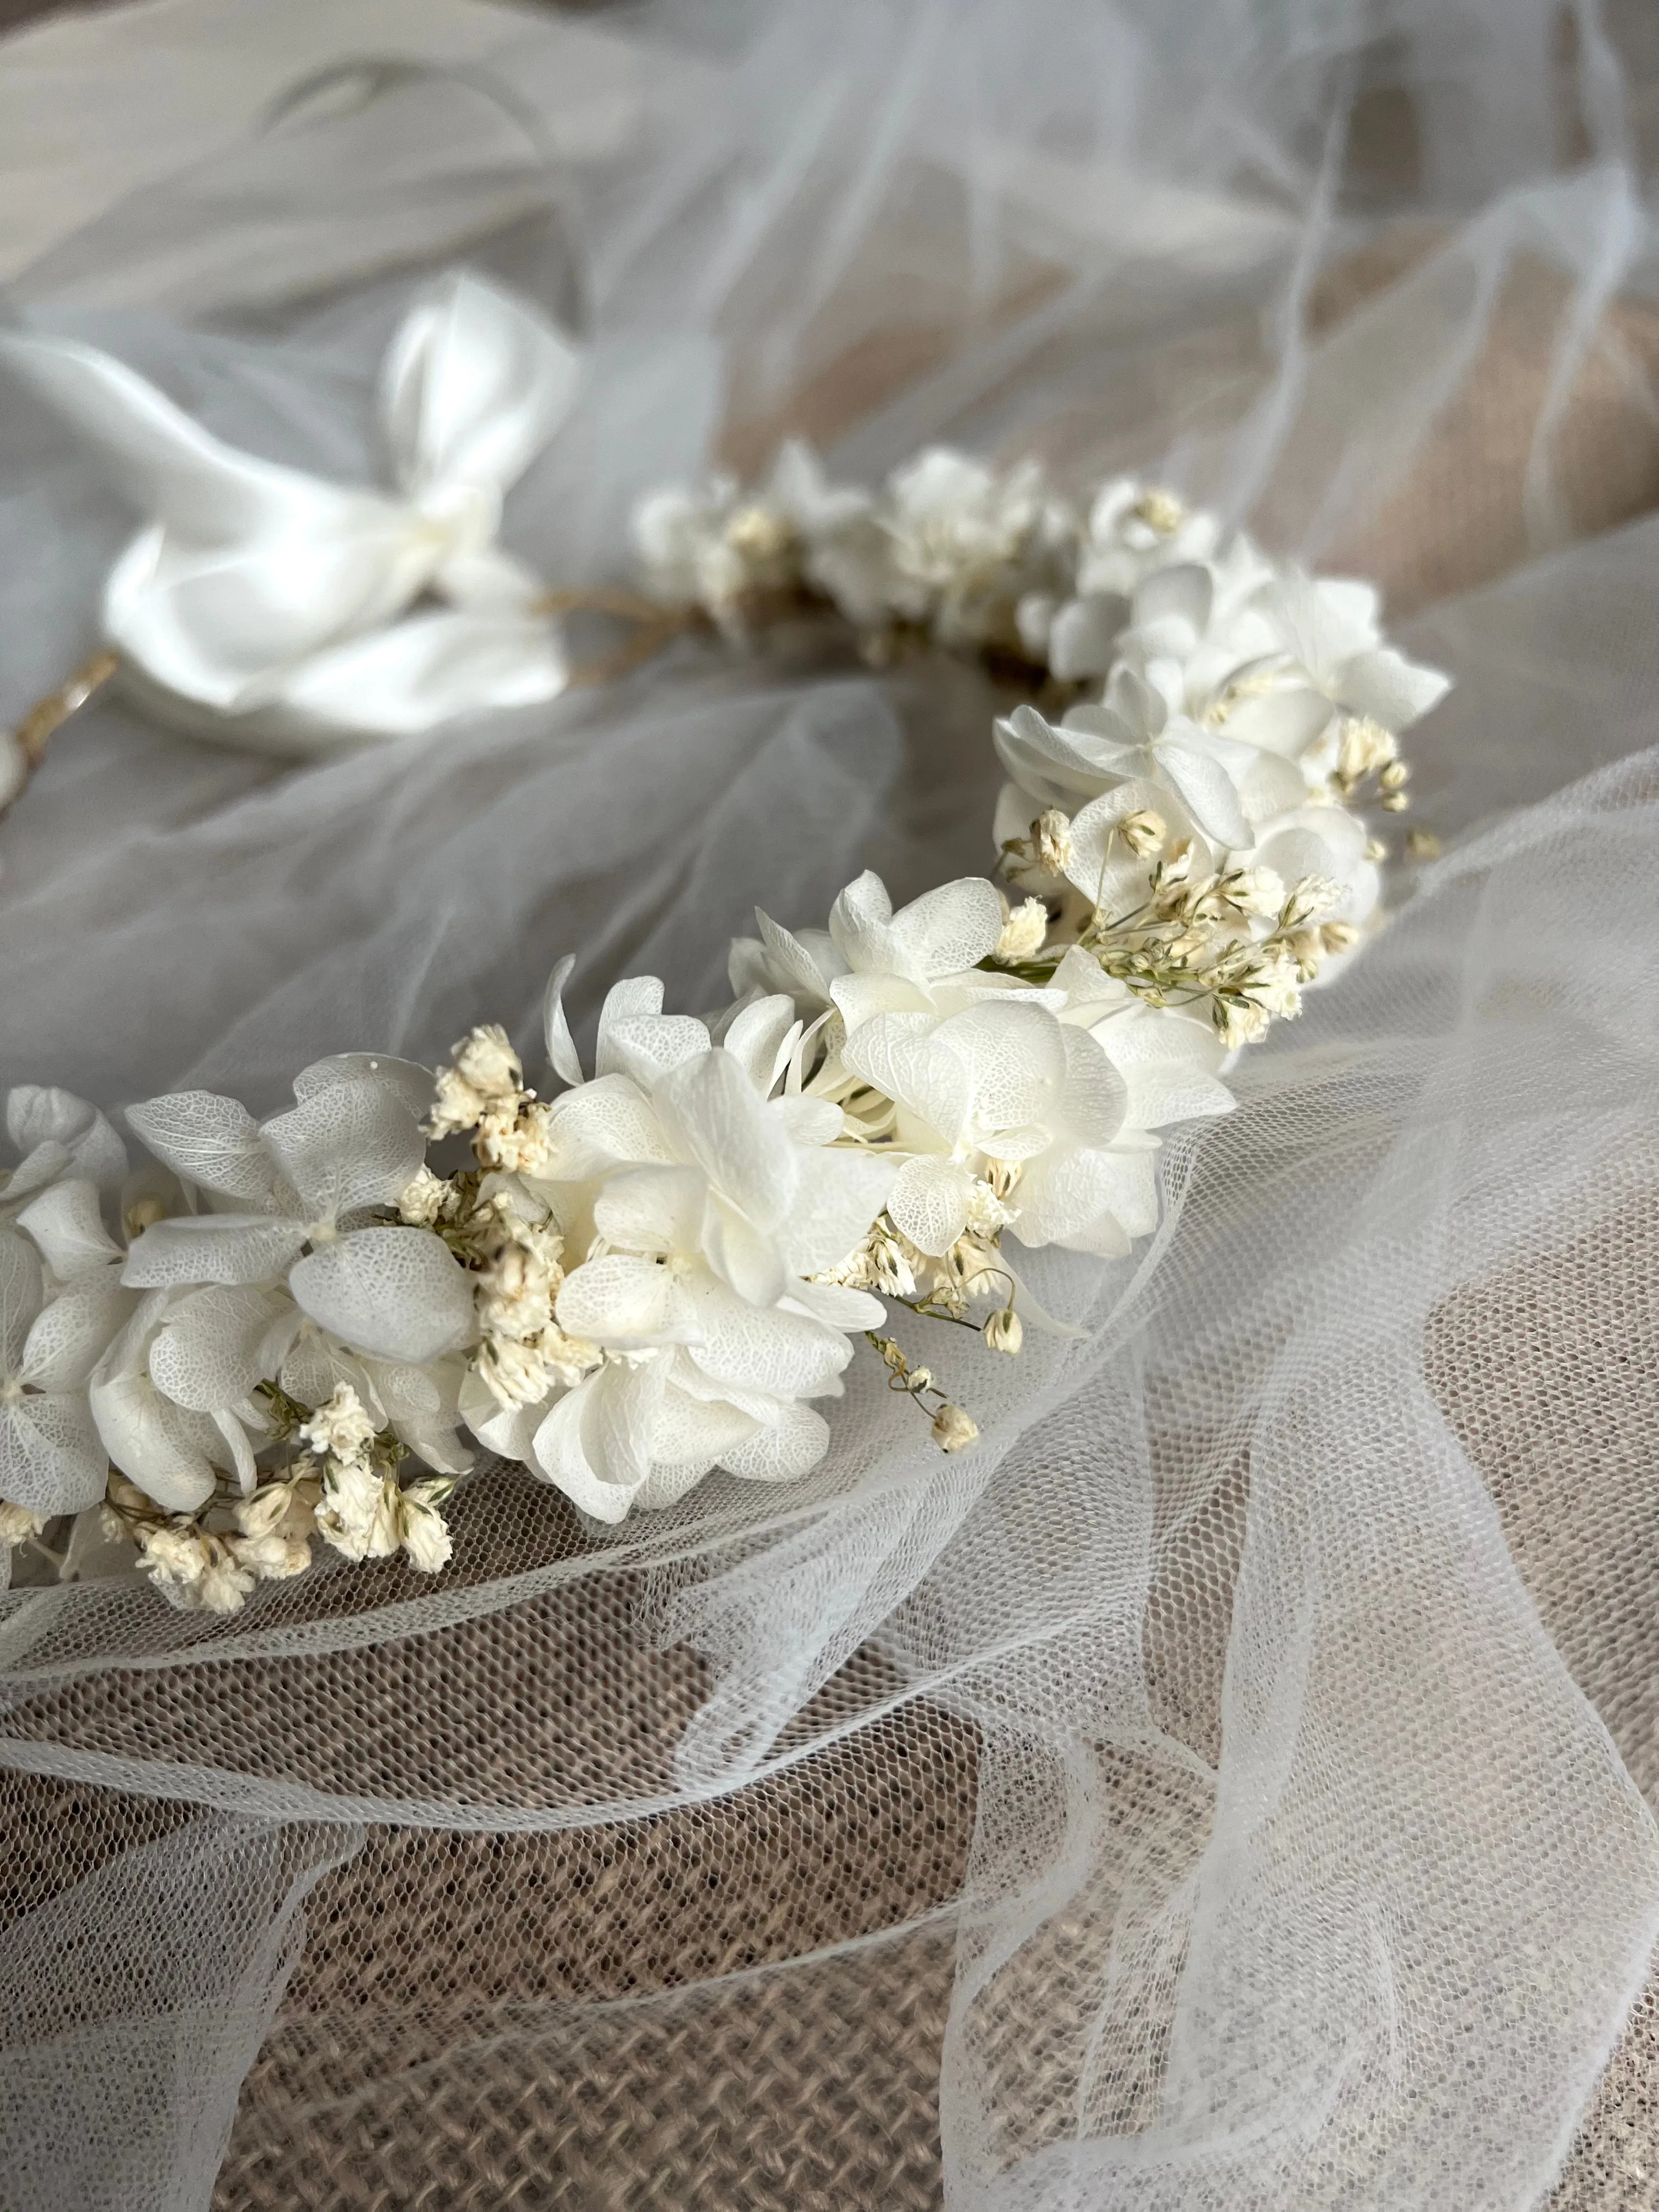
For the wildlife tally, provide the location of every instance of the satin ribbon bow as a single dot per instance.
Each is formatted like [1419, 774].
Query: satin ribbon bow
[264, 606]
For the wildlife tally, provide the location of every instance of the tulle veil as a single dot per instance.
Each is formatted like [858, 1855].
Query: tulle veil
[1233, 1784]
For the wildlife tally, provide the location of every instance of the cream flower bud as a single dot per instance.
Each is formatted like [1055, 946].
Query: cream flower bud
[953, 1429]
[513, 1372]
[455, 1105]
[569, 1358]
[359, 1513]
[1238, 1021]
[422, 1203]
[1161, 511]
[485, 1058]
[426, 1535]
[174, 1555]
[1308, 899]
[1051, 838]
[987, 1213]
[1143, 832]
[18, 1524]
[266, 1511]
[518, 1142]
[1256, 890]
[224, 1585]
[1364, 748]
[1023, 931]
[341, 1427]
[1004, 1332]
[271, 1557]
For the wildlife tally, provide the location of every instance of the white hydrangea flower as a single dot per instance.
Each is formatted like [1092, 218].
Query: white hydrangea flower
[966, 544]
[695, 1205]
[1003, 1086]
[870, 960]
[304, 1187]
[1133, 532]
[722, 549]
[1334, 661]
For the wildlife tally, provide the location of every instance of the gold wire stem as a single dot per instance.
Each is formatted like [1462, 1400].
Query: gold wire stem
[600, 599]
[650, 639]
[47, 715]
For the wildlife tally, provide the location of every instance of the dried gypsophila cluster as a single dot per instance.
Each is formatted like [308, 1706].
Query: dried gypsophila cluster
[662, 1271]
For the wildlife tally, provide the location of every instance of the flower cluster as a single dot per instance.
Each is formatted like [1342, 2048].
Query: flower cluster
[1191, 810]
[662, 1269]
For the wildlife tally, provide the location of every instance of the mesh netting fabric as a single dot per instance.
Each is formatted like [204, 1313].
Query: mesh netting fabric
[1232, 1785]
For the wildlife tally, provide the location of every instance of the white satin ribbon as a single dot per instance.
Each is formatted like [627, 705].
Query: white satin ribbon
[264, 606]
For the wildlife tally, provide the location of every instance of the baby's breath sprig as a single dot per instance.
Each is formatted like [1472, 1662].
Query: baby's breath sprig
[953, 1428]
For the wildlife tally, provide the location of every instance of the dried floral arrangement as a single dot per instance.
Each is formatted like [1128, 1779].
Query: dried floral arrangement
[281, 1332]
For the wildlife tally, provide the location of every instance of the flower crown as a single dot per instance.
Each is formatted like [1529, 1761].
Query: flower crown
[280, 1331]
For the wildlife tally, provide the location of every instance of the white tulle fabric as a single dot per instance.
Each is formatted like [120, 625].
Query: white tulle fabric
[266, 607]
[1300, 1613]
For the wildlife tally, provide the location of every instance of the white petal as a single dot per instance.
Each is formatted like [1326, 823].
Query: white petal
[715, 1118]
[812, 1122]
[619, 1299]
[213, 1248]
[1085, 636]
[860, 998]
[209, 1352]
[950, 928]
[212, 1141]
[841, 1193]
[929, 1202]
[508, 1430]
[751, 1263]
[646, 1046]
[1013, 1054]
[651, 1209]
[782, 1354]
[405, 1079]
[836, 1305]
[1092, 1105]
[600, 1125]
[782, 1451]
[350, 1144]
[555, 1027]
[50, 1459]
[422, 1405]
[67, 1225]
[1394, 690]
[900, 1055]
[1182, 592]
[396, 1293]
[170, 1453]
[860, 921]
[635, 996]
[756, 1035]
[21, 1291]
[1208, 791]
[73, 1332]
[807, 961]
